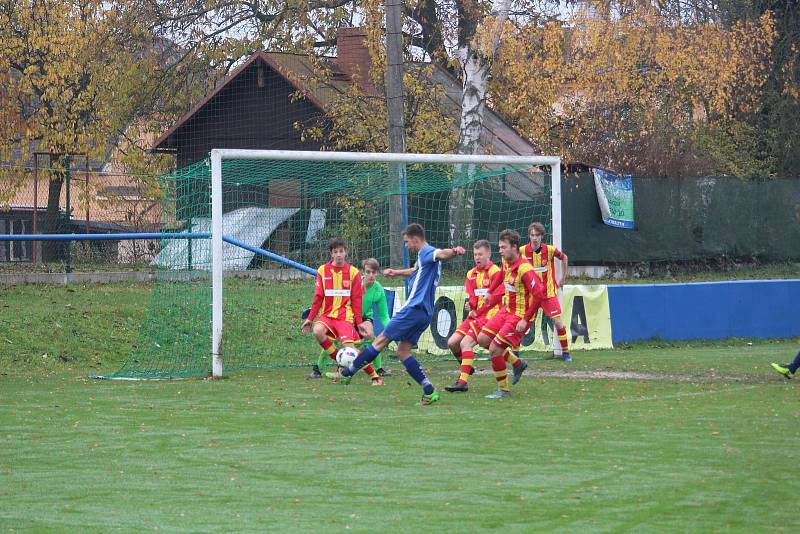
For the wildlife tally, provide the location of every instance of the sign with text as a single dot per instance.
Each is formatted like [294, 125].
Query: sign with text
[584, 308]
[615, 197]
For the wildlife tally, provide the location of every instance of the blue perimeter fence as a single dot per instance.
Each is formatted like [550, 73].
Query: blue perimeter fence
[767, 309]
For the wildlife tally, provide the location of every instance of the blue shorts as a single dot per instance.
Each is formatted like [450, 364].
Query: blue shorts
[408, 324]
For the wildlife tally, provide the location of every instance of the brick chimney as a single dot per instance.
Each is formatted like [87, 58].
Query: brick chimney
[352, 57]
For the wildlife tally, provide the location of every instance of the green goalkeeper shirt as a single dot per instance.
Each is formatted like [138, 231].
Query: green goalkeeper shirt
[375, 295]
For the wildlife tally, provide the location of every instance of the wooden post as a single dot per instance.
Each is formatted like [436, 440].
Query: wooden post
[35, 203]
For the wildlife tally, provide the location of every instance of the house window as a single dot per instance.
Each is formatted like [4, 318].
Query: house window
[15, 250]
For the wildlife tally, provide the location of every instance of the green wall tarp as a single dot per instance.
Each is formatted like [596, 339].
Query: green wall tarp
[686, 219]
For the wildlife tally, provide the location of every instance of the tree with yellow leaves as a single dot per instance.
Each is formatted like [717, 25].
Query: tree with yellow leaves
[635, 92]
[356, 119]
[80, 77]
[50, 54]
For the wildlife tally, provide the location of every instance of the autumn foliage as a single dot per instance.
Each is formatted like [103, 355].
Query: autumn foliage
[636, 86]
[637, 93]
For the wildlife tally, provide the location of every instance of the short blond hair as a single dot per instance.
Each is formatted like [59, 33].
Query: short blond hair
[482, 243]
[371, 263]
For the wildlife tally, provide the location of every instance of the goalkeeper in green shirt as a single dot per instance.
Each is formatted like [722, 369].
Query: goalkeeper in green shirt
[374, 296]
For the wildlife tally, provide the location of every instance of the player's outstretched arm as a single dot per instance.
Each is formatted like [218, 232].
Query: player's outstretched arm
[448, 253]
[398, 272]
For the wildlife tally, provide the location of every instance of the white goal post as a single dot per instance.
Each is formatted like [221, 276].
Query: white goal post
[217, 155]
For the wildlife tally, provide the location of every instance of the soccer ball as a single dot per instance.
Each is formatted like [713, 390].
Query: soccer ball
[346, 356]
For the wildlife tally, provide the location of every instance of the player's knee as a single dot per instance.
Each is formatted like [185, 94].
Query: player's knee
[381, 342]
[454, 343]
[319, 331]
[496, 350]
[403, 352]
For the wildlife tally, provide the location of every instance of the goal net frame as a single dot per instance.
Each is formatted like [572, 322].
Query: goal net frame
[218, 155]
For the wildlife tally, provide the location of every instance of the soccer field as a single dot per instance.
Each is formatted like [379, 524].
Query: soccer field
[700, 438]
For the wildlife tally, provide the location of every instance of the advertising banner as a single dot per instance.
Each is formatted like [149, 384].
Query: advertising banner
[585, 310]
[615, 197]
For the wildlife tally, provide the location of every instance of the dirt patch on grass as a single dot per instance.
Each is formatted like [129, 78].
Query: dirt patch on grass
[639, 375]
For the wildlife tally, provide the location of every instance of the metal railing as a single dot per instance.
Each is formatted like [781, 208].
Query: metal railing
[67, 200]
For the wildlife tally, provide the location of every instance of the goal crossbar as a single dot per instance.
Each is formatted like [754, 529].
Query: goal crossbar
[308, 155]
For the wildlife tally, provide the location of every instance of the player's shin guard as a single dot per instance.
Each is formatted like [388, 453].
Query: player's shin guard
[500, 372]
[467, 358]
[364, 357]
[370, 370]
[512, 357]
[328, 347]
[563, 339]
[323, 359]
[415, 370]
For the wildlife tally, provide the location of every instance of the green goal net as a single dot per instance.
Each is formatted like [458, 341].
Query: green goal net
[291, 209]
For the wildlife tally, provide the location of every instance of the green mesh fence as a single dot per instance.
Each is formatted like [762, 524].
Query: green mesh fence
[293, 208]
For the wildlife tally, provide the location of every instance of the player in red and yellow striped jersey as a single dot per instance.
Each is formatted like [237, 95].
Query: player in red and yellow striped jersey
[480, 279]
[337, 299]
[512, 356]
[543, 258]
[523, 295]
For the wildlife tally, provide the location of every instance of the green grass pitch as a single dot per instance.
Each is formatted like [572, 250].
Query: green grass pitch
[653, 437]
[673, 450]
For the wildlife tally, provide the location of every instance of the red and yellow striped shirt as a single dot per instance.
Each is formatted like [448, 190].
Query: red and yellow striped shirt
[338, 293]
[479, 284]
[522, 289]
[543, 263]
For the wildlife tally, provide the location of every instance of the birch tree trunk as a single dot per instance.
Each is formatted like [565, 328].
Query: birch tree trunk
[397, 143]
[476, 57]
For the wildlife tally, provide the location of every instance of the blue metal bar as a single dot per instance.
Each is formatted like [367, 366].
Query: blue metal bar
[270, 255]
[103, 237]
[156, 235]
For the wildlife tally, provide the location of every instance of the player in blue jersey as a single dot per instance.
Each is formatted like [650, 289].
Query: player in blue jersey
[407, 325]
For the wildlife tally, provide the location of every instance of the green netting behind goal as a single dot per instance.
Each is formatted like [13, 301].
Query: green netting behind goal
[293, 209]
